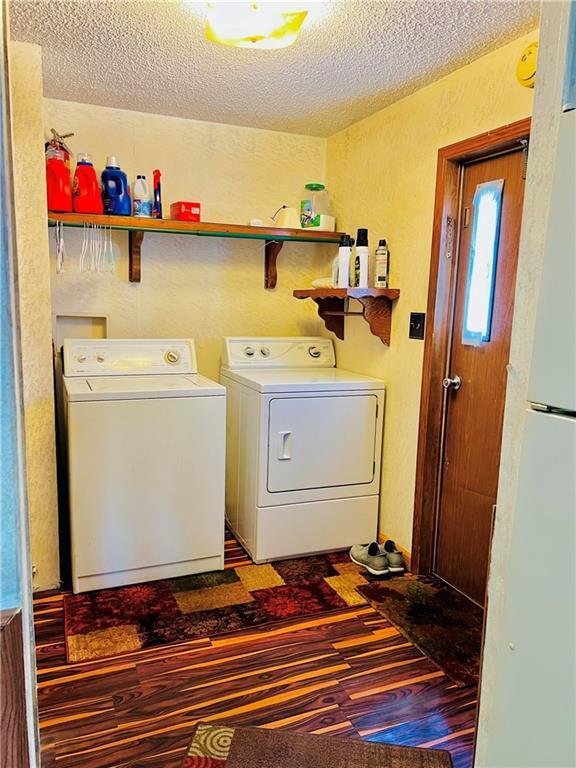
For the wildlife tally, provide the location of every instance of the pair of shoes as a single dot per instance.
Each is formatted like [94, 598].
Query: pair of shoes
[378, 560]
[394, 556]
[370, 557]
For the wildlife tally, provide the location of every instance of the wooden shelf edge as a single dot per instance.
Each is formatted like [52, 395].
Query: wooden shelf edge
[376, 307]
[199, 228]
[274, 237]
[347, 293]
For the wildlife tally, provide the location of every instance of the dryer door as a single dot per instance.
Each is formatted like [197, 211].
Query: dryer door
[321, 442]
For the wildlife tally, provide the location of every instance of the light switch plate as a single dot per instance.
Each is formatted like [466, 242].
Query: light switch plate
[417, 325]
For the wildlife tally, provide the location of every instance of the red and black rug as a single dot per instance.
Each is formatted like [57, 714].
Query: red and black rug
[110, 622]
[442, 623]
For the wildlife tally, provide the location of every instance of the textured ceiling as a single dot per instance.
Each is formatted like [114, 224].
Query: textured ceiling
[354, 58]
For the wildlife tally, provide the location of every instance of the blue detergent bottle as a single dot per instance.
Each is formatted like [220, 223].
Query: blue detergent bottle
[115, 193]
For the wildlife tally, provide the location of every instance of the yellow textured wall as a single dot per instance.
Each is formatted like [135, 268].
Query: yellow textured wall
[381, 175]
[34, 298]
[199, 287]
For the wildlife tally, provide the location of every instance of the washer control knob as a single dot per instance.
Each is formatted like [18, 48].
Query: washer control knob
[314, 352]
[81, 358]
[100, 358]
[172, 356]
[249, 351]
[265, 351]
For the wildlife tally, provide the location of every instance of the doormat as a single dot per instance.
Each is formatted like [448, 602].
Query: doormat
[109, 622]
[446, 626]
[219, 746]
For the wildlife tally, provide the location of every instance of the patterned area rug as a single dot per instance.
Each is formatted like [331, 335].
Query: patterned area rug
[218, 746]
[440, 621]
[110, 622]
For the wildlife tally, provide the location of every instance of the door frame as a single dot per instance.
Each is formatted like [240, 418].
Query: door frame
[19, 722]
[441, 287]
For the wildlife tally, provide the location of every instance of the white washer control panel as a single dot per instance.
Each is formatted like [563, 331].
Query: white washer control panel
[113, 357]
[278, 352]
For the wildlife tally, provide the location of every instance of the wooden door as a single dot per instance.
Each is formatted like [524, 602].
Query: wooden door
[491, 211]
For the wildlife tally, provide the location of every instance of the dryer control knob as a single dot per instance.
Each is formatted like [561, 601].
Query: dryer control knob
[172, 356]
[249, 351]
[314, 352]
[265, 351]
[100, 358]
[81, 358]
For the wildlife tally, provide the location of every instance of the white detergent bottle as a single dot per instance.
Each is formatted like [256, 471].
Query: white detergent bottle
[344, 254]
[142, 197]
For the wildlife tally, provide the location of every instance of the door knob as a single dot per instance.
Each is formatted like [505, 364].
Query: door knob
[454, 383]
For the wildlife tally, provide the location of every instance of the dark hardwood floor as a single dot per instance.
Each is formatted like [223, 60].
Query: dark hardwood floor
[349, 673]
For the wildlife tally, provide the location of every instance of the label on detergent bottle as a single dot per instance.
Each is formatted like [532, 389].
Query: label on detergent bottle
[307, 217]
[142, 207]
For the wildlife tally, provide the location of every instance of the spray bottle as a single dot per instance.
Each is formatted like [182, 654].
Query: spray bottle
[157, 209]
[382, 265]
[361, 259]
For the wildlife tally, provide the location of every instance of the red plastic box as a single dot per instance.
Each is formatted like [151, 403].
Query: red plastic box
[185, 211]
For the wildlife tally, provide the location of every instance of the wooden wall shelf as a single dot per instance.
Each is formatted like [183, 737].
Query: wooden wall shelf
[273, 237]
[333, 307]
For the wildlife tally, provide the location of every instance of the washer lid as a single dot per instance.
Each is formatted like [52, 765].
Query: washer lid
[303, 380]
[139, 387]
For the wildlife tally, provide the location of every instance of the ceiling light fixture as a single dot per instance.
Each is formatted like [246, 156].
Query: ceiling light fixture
[264, 25]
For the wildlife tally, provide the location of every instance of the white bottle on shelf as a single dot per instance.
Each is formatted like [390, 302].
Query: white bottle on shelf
[142, 198]
[344, 254]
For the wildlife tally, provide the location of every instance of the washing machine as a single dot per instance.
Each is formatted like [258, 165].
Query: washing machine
[304, 447]
[146, 457]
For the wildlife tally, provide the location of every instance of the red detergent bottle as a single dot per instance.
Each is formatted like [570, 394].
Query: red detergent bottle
[58, 186]
[86, 195]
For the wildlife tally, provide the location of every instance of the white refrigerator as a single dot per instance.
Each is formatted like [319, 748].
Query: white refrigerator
[538, 641]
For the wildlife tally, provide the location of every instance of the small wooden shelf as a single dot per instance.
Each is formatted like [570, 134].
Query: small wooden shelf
[333, 307]
[136, 227]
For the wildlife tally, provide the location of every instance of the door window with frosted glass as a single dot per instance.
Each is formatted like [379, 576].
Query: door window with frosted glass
[483, 262]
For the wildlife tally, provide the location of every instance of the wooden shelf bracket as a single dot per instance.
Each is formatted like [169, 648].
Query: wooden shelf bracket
[330, 309]
[333, 308]
[271, 250]
[135, 238]
[378, 314]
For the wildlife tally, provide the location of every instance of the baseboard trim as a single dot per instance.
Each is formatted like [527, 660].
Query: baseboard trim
[382, 537]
